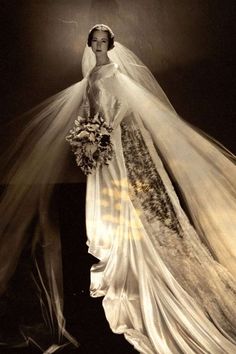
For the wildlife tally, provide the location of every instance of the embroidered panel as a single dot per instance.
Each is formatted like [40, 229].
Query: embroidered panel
[145, 180]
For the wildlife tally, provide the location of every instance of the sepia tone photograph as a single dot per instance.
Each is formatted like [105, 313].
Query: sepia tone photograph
[118, 177]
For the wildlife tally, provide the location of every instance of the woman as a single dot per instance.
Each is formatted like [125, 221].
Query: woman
[168, 286]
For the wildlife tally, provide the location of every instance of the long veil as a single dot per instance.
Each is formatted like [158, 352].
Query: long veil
[131, 65]
[35, 161]
[38, 157]
[205, 176]
[33, 165]
[203, 169]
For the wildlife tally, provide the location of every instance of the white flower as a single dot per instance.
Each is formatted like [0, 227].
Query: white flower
[90, 149]
[92, 127]
[83, 134]
[103, 131]
[92, 137]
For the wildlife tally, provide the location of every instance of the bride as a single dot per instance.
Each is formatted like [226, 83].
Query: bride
[168, 281]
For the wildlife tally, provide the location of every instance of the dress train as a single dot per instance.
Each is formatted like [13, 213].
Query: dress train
[153, 266]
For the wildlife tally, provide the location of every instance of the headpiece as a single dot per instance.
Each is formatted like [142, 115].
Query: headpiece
[105, 28]
[102, 27]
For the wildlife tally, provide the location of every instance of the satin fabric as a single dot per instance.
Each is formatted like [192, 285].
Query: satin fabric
[143, 297]
[146, 293]
[195, 162]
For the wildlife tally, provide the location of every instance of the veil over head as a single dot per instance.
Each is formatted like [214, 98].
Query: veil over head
[38, 160]
[199, 165]
[130, 65]
[206, 179]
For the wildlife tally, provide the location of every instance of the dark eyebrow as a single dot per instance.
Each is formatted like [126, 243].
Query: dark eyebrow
[101, 38]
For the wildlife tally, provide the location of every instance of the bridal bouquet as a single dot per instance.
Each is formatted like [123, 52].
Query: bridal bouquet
[90, 141]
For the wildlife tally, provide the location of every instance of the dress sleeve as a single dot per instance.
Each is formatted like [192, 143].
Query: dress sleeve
[84, 108]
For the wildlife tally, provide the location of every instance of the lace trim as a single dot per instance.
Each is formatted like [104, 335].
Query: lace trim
[190, 262]
[145, 181]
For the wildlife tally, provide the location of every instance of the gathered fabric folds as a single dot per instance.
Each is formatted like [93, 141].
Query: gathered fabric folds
[152, 269]
[204, 174]
[168, 284]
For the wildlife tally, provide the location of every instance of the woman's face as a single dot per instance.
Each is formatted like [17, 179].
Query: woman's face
[100, 42]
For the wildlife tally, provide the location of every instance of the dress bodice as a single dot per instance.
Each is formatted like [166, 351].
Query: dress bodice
[97, 98]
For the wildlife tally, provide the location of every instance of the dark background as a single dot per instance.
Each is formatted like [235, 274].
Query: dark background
[188, 45]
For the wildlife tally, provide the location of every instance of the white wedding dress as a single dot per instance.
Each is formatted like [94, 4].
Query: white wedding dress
[168, 281]
[161, 286]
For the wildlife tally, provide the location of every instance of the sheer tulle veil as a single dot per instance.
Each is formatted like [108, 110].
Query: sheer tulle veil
[38, 159]
[203, 169]
[129, 64]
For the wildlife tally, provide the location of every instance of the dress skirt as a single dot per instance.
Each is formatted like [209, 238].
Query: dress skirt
[162, 288]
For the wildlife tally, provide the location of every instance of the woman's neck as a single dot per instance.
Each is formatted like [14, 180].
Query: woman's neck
[102, 60]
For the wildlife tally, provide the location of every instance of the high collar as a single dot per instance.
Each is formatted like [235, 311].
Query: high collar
[102, 71]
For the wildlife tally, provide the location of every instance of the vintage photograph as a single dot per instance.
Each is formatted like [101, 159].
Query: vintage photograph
[118, 177]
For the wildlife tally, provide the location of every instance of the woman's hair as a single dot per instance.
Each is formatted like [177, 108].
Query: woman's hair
[104, 28]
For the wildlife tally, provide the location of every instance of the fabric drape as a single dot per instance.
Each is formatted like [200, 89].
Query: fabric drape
[152, 262]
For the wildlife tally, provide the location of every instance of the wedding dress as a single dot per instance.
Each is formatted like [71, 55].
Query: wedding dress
[168, 282]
